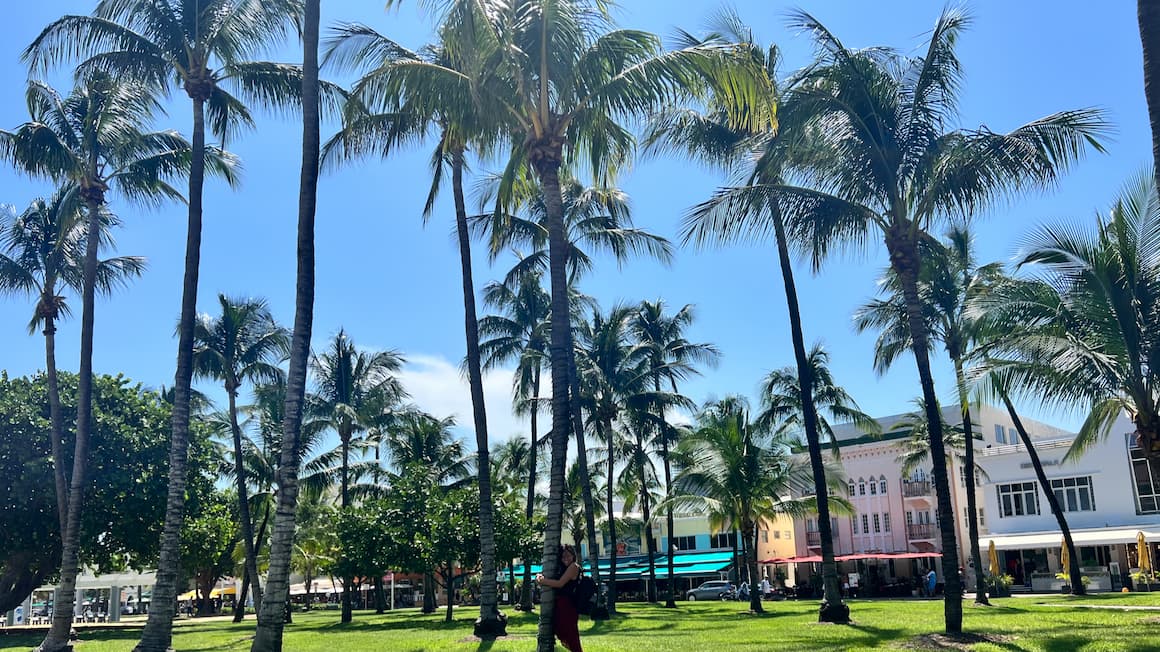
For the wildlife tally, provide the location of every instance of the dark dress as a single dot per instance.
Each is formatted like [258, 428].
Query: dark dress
[566, 619]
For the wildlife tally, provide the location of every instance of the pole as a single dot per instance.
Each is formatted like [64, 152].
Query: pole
[392, 591]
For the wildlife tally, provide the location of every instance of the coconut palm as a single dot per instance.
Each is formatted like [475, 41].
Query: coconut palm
[197, 45]
[352, 388]
[42, 254]
[741, 474]
[577, 100]
[271, 614]
[950, 280]
[242, 344]
[1148, 17]
[93, 140]
[893, 165]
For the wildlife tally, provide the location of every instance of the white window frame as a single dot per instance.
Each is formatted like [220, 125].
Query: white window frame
[1069, 493]
[1022, 499]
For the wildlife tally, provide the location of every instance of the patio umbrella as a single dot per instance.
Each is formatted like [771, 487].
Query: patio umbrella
[1063, 557]
[1145, 560]
[994, 555]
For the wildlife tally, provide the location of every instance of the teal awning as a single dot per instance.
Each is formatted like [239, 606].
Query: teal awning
[692, 570]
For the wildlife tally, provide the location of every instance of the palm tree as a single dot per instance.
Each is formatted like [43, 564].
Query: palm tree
[242, 344]
[268, 637]
[352, 388]
[762, 153]
[891, 165]
[741, 474]
[194, 44]
[950, 281]
[577, 100]
[671, 358]
[93, 140]
[42, 253]
[402, 116]
[1148, 17]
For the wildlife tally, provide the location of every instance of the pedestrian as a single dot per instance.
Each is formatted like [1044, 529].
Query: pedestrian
[565, 618]
[765, 588]
[931, 581]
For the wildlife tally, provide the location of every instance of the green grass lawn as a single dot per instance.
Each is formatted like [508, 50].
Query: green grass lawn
[1015, 624]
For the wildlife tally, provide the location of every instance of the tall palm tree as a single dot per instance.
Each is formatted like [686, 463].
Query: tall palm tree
[352, 388]
[396, 116]
[740, 475]
[275, 602]
[567, 82]
[671, 358]
[1148, 17]
[42, 253]
[93, 140]
[950, 280]
[242, 344]
[894, 166]
[194, 44]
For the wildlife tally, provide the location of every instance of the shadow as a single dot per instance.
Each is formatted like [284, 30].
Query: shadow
[485, 645]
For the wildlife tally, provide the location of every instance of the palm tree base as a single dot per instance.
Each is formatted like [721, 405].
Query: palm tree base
[670, 604]
[599, 612]
[837, 612]
[487, 629]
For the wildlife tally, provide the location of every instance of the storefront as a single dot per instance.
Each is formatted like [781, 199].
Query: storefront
[1107, 557]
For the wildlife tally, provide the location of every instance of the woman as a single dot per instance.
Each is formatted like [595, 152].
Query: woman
[565, 619]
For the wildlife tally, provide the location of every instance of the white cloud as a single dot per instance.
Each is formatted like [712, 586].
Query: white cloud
[437, 387]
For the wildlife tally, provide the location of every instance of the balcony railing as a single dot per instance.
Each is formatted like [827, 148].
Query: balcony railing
[920, 531]
[813, 538]
[916, 489]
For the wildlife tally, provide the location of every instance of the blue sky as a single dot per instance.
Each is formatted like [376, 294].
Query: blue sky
[394, 284]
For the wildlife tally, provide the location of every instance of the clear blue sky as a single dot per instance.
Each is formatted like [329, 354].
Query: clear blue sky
[394, 284]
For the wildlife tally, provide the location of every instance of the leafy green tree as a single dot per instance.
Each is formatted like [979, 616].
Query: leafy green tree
[93, 140]
[452, 545]
[208, 538]
[121, 524]
[42, 254]
[885, 159]
[740, 475]
[361, 534]
[242, 344]
[315, 544]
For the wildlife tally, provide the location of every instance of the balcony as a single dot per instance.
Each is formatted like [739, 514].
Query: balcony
[813, 538]
[916, 489]
[920, 531]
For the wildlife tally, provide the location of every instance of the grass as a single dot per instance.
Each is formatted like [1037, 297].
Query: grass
[1016, 624]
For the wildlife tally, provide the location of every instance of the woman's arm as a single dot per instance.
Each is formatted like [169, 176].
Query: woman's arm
[570, 574]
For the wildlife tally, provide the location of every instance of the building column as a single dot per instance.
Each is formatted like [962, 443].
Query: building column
[114, 604]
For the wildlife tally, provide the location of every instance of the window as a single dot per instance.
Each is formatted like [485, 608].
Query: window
[1018, 499]
[685, 543]
[811, 525]
[777, 534]
[882, 486]
[877, 524]
[1013, 436]
[981, 522]
[910, 518]
[851, 488]
[723, 540]
[765, 536]
[1146, 479]
[873, 488]
[886, 522]
[962, 476]
[865, 524]
[1000, 434]
[861, 488]
[789, 534]
[1074, 494]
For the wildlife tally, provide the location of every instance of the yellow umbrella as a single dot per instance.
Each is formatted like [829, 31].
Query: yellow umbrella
[994, 554]
[1145, 560]
[1063, 558]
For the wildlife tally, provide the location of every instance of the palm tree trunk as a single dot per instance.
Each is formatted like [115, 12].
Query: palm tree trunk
[969, 463]
[244, 504]
[512, 580]
[548, 169]
[62, 616]
[491, 622]
[749, 533]
[56, 417]
[157, 636]
[832, 609]
[526, 589]
[347, 581]
[608, 437]
[1077, 587]
[271, 615]
[644, 507]
[240, 607]
[736, 557]
[670, 598]
[585, 481]
[1148, 16]
[904, 259]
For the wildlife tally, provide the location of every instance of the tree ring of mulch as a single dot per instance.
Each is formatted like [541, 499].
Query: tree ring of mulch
[476, 639]
[962, 641]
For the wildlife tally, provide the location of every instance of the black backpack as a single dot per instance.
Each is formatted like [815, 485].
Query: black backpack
[583, 594]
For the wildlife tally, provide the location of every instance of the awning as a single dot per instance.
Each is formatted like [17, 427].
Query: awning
[188, 595]
[229, 590]
[817, 559]
[692, 570]
[1053, 538]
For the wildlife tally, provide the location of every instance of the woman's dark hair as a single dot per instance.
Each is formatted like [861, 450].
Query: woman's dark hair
[560, 565]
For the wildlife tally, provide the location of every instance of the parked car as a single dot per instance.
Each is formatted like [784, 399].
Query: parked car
[711, 590]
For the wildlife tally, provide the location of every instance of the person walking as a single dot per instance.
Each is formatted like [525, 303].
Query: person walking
[565, 619]
[931, 582]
